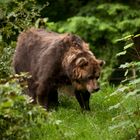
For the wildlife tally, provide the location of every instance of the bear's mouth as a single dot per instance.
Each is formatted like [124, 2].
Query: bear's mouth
[90, 85]
[91, 90]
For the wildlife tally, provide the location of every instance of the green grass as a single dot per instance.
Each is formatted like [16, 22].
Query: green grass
[70, 123]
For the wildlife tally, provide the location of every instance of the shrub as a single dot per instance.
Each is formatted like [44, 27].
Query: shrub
[16, 16]
[128, 120]
[17, 114]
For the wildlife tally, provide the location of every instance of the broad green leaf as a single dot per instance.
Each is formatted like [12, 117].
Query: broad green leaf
[128, 46]
[124, 38]
[121, 53]
[137, 35]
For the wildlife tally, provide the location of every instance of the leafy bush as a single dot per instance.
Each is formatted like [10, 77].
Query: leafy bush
[16, 15]
[5, 62]
[130, 95]
[17, 114]
[101, 24]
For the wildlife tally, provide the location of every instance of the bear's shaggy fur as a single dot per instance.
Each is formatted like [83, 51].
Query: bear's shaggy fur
[54, 60]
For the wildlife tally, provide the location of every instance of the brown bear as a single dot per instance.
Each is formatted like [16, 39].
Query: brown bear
[54, 60]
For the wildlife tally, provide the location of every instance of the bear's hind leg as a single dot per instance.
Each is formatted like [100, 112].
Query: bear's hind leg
[48, 99]
[53, 98]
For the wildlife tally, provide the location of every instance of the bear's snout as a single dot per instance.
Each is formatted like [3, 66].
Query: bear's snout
[92, 86]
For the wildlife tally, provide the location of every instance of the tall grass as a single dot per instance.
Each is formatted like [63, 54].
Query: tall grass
[69, 123]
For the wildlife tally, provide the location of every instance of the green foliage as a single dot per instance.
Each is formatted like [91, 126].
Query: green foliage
[94, 32]
[129, 93]
[61, 9]
[17, 114]
[15, 16]
[19, 16]
[5, 62]
[101, 24]
[127, 120]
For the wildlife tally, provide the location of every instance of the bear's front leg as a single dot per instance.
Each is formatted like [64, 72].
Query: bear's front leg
[83, 99]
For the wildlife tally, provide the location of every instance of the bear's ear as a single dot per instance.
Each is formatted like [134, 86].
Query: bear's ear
[67, 38]
[81, 62]
[101, 62]
[72, 40]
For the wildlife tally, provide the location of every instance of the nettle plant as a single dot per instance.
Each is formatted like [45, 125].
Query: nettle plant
[17, 114]
[128, 93]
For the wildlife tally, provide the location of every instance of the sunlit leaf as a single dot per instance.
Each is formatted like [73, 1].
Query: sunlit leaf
[128, 46]
[121, 53]
[126, 72]
[125, 38]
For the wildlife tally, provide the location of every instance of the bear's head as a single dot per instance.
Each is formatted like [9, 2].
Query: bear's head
[86, 72]
[81, 66]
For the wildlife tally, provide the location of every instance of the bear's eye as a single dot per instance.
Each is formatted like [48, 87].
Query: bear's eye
[90, 77]
[77, 80]
[97, 77]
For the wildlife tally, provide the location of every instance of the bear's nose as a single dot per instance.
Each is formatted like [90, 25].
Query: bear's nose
[97, 89]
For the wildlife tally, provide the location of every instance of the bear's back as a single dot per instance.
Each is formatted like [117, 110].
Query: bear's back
[31, 45]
